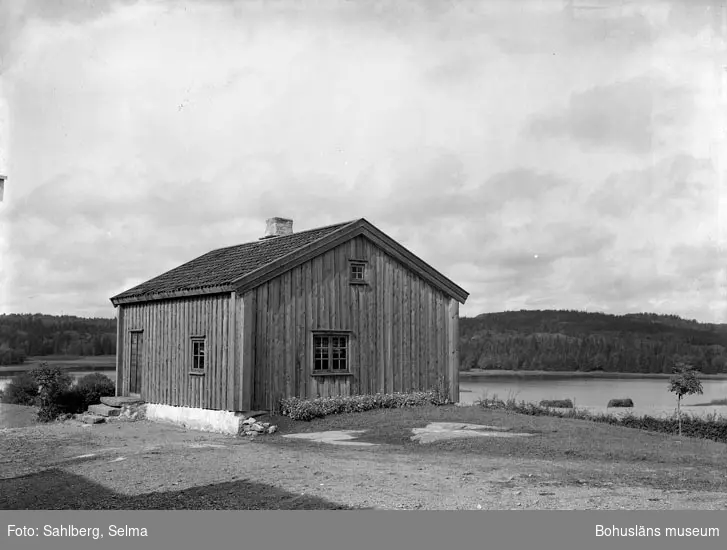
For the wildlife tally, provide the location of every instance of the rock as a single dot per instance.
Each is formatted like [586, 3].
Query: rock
[119, 401]
[104, 410]
[272, 429]
[258, 428]
[620, 403]
[266, 424]
[557, 403]
[248, 421]
[93, 419]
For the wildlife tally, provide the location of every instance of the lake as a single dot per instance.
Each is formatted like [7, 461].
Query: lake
[650, 395]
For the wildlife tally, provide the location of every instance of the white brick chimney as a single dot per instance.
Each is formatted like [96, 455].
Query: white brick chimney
[277, 227]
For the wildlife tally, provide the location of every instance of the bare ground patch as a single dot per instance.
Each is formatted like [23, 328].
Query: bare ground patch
[144, 465]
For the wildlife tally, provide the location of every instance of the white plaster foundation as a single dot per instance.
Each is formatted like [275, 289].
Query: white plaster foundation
[196, 419]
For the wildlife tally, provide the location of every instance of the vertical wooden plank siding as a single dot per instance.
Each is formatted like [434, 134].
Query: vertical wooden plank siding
[168, 326]
[175, 357]
[262, 355]
[405, 335]
[275, 343]
[185, 363]
[249, 342]
[400, 328]
[440, 313]
[288, 299]
[368, 328]
[306, 383]
[453, 349]
[298, 348]
[231, 342]
[431, 342]
[378, 336]
[120, 350]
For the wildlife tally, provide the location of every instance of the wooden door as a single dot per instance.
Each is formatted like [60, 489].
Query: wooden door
[136, 346]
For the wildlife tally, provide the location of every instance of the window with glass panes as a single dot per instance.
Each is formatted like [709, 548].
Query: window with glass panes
[330, 353]
[197, 354]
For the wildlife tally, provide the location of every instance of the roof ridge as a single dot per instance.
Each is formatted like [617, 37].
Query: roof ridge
[263, 241]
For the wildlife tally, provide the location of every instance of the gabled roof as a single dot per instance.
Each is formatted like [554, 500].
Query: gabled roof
[245, 266]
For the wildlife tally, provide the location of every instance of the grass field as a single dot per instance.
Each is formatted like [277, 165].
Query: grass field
[566, 464]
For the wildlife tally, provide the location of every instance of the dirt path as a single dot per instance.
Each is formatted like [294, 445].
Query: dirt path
[147, 465]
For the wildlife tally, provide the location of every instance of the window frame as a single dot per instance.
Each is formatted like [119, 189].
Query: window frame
[194, 369]
[363, 265]
[330, 336]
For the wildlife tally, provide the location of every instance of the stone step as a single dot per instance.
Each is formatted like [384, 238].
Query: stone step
[118, 401]
[104, 410]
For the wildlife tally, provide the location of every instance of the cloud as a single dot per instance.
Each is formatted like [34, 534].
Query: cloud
[679, 189]
[566, 25]
[627, 115]
[19, 16]
[178, 128]
[694, 16]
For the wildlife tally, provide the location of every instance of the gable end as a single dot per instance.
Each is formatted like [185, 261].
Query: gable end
[341, 236]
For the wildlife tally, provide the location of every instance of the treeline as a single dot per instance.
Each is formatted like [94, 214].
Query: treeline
[513, 340]
[24, 335]
[581, 341]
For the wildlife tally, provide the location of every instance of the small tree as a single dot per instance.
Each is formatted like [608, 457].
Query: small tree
[684, 381]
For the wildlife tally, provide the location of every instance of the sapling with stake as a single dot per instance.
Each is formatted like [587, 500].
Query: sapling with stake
[684, 381]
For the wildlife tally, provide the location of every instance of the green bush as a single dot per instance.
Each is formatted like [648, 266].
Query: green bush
[308, 409]
[22, 390]
[71, 401]
[557, 403]
[93, 387]
[53, 383]
[440, 392]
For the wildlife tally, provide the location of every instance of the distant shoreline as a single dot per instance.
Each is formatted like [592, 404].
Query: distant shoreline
[14, 370]
[494, 373]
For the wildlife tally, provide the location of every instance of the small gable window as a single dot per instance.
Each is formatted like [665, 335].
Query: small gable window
[357, 272]
[198, 355]
[330, 353]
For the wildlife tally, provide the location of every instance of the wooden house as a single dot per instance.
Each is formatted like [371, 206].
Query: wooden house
[337, 310]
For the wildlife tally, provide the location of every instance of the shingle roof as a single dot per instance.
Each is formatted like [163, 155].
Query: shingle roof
[225, 265]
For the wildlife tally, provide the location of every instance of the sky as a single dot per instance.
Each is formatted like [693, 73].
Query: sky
[551, 154]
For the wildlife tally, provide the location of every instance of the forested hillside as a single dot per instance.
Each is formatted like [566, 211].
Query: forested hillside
[511, 340]
[574, 340]
[35, 334]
